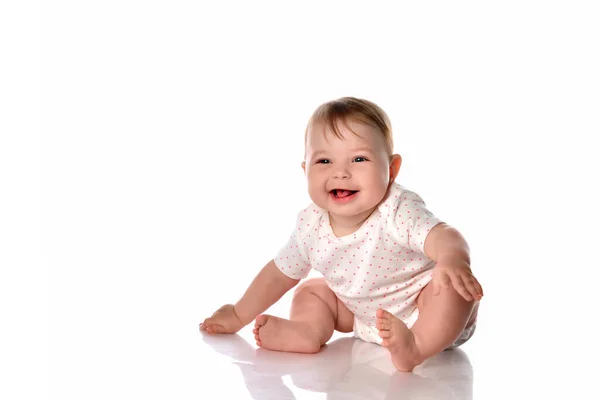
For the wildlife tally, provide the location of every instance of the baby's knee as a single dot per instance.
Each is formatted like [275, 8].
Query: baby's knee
[314, 287]
[311, 285]
[447, 295]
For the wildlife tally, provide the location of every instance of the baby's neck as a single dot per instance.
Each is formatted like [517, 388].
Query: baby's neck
[342, 226]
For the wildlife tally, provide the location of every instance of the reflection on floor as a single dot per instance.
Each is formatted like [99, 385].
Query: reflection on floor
[346, 368]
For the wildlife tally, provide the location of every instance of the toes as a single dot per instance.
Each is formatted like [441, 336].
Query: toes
[383, 314]
[382, 323]
[385, 334]
[261, 320]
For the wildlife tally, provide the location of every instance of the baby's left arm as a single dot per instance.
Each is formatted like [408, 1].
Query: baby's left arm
[449, 249]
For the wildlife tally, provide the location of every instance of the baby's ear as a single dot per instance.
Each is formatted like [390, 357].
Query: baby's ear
[395, 163]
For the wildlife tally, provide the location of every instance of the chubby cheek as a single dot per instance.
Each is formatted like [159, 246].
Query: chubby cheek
[316, 196]
[376, 181]
[316, 187]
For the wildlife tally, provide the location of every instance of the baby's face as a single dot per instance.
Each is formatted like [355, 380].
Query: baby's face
[348, 177]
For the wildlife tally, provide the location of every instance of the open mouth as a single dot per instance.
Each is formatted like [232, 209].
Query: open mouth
[342, 193]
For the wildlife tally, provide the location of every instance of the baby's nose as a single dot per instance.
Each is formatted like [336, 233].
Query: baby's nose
[341, 174]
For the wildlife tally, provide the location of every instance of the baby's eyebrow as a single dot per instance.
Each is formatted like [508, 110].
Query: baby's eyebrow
[355, 150]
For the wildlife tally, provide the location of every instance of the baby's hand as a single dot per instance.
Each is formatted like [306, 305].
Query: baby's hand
[456, 272]
[224, 320]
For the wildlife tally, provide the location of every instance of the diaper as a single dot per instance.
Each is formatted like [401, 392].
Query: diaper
[464, 336]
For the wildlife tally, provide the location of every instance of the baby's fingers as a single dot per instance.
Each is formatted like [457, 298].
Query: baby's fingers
[204, 325]
[471, 285]
[459, 286]
[209, 326]
[475, 287]
[213, 328]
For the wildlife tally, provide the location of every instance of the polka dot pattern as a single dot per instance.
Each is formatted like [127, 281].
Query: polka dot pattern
[381, 265]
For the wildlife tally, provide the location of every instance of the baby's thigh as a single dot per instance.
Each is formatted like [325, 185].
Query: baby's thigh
[424, 296]
[345, 318]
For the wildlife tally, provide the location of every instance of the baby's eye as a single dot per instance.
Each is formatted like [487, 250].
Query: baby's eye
[323, 161]
[359, 159]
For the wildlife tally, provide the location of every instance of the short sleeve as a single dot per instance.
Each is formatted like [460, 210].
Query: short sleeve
[292, 259]
[413, 220]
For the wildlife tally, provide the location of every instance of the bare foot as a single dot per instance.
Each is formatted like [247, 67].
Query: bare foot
[280, 334]
[399, 340]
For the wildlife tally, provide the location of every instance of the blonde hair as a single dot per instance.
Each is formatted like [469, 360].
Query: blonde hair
[351, 108]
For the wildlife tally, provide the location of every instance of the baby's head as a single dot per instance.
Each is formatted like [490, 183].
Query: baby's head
[349, 160]
[329, 116]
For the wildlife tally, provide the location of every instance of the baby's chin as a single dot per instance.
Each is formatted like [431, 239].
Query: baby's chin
[350, 211]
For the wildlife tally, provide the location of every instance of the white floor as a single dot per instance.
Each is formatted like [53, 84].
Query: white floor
[499, 362]
[347, 368]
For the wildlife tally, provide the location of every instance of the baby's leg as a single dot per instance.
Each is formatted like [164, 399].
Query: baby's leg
[442, 319]
[315, 313]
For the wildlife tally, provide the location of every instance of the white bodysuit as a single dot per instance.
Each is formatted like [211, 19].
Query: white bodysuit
[381, 265]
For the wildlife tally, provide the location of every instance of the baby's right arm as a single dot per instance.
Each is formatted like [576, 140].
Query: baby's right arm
[269, 286]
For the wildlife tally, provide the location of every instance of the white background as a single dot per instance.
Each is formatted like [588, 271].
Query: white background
[150, 165]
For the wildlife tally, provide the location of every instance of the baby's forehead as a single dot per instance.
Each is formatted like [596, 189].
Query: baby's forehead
[325, 132]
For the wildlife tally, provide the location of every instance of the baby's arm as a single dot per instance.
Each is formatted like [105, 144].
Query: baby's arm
[449, 249]
[267, 287]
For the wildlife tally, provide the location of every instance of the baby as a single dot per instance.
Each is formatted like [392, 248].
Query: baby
[393, 273]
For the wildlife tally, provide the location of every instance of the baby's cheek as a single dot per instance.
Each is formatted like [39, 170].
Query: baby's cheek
[316, 194]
